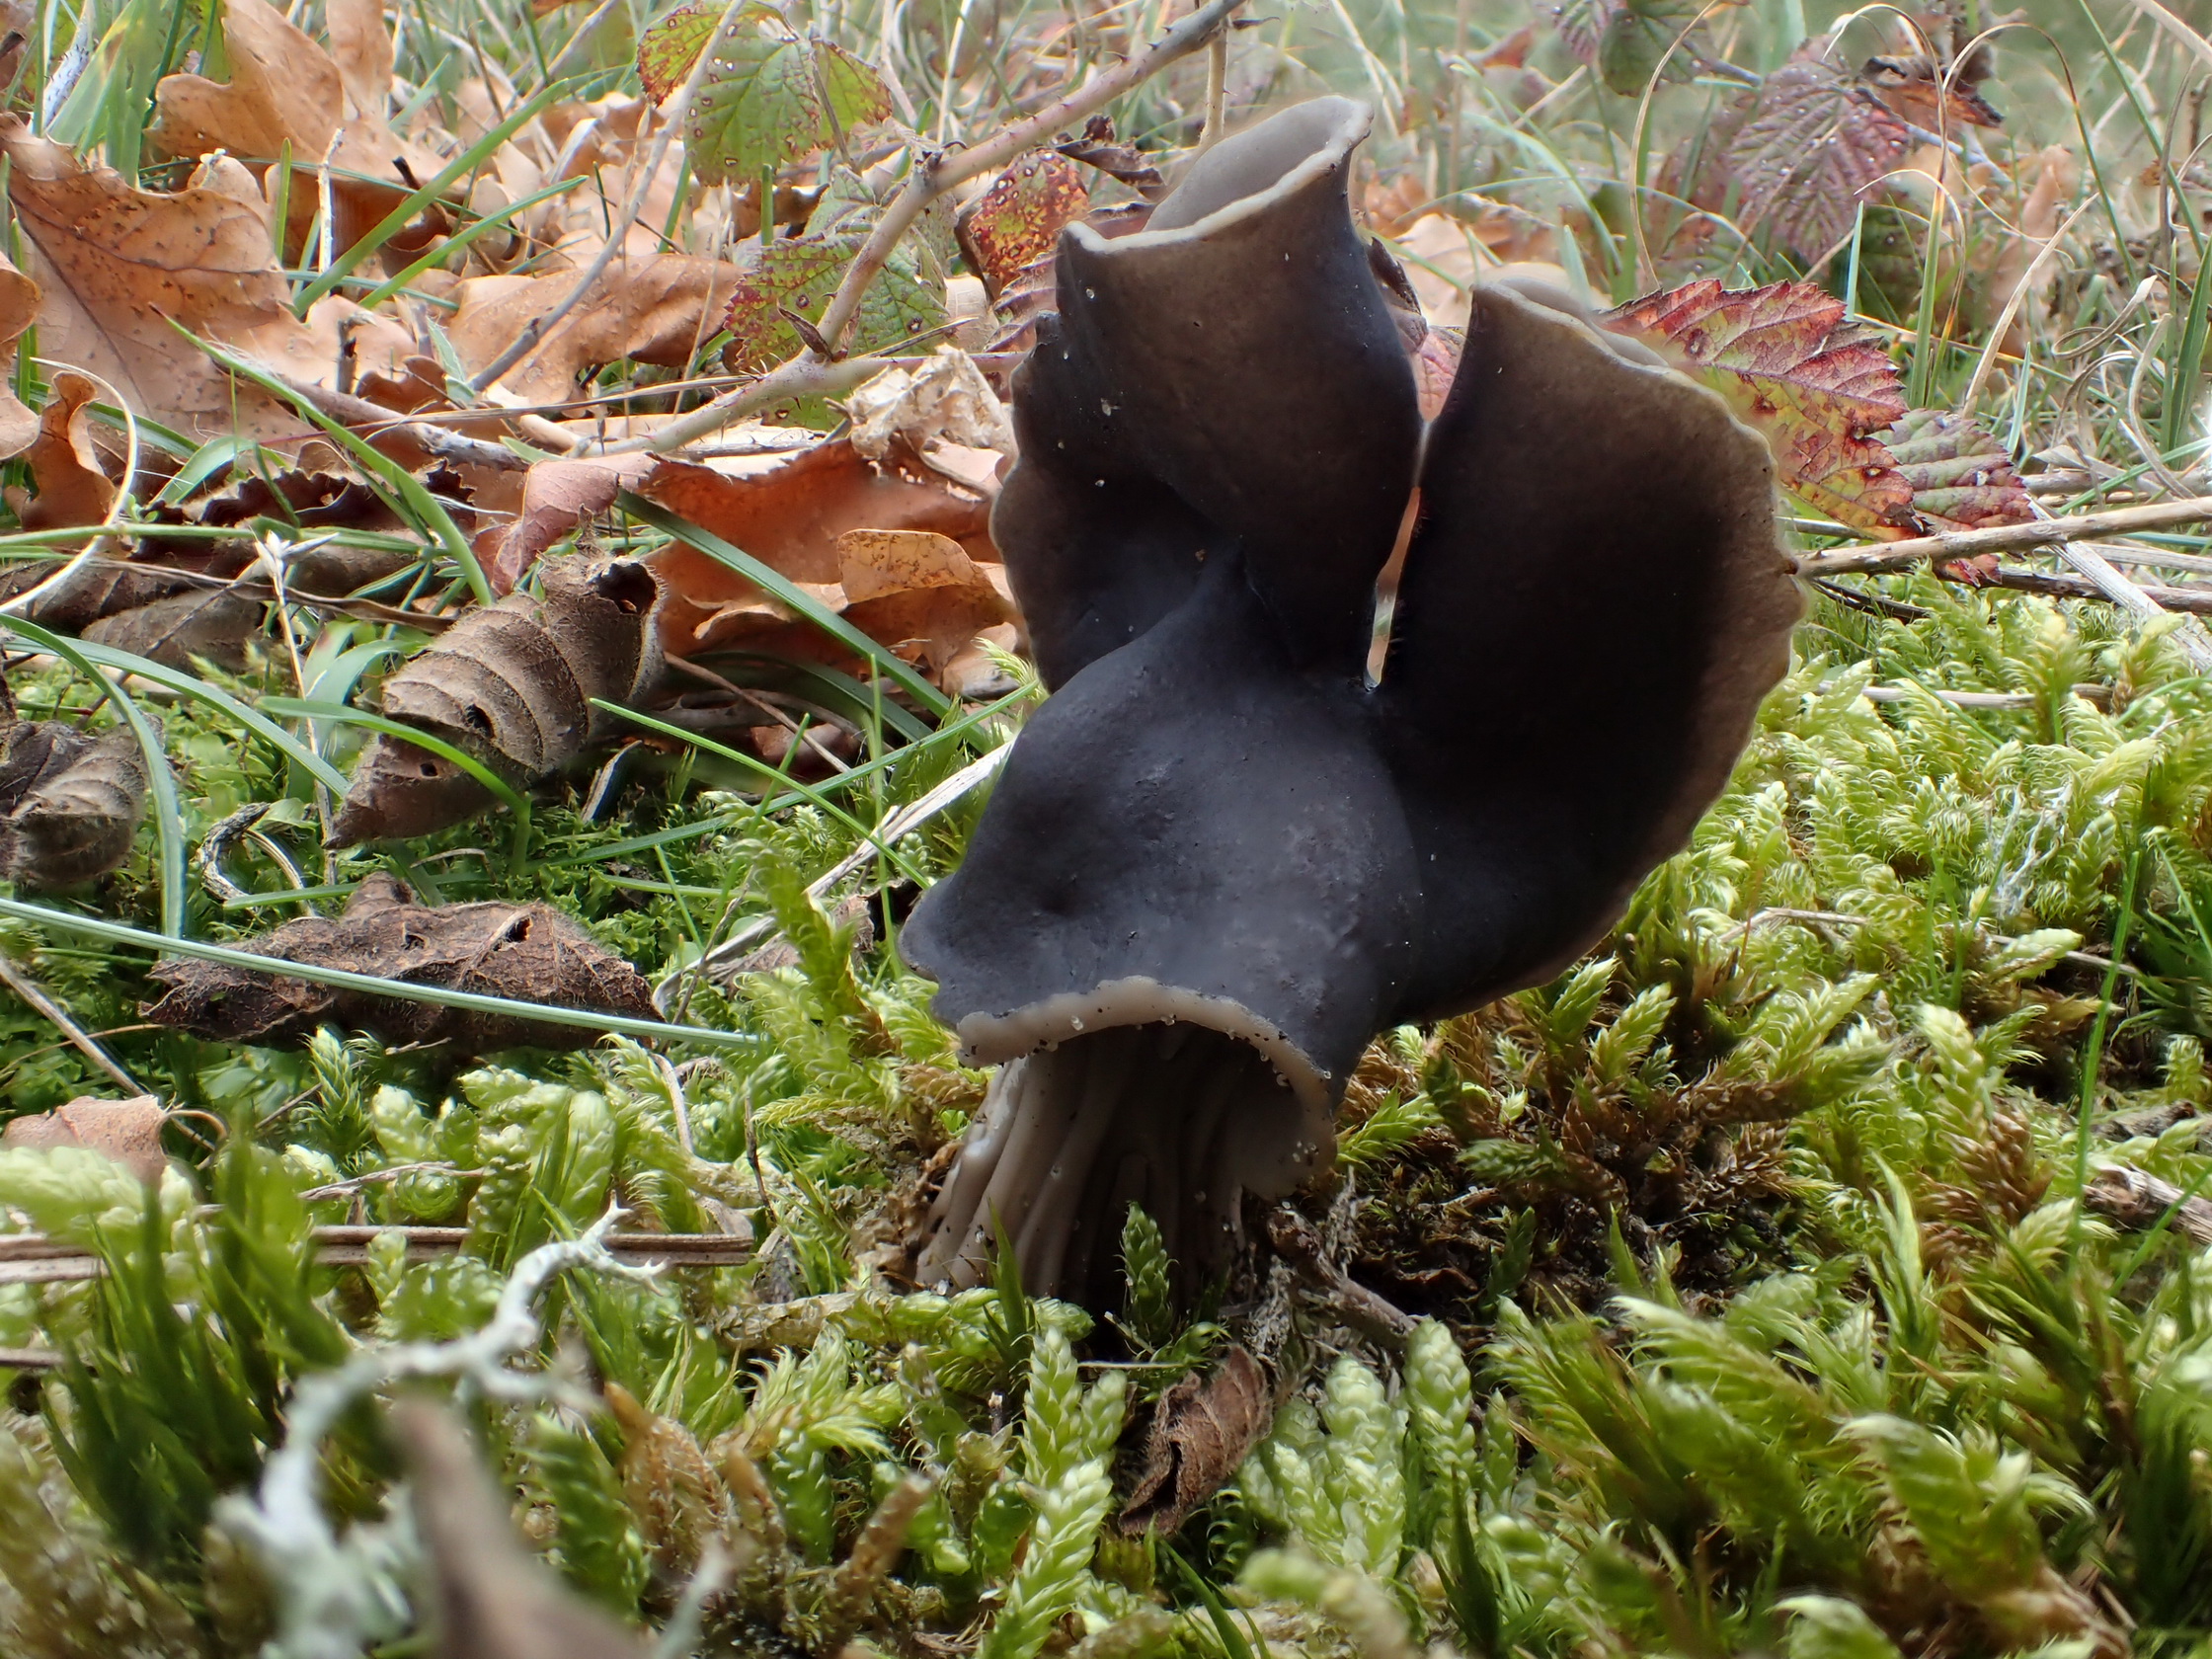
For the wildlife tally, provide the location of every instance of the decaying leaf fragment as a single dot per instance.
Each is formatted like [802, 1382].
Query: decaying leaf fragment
[127, 1131]
[512, 687]
[1818, 389]
[656, 311]
[529, 952]
[1201, 1432]
[68, 487]
[69, 802]
[489, 1598]
[19, 309]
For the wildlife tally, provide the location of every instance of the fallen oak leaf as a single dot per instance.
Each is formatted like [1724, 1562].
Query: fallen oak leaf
[70, 802]
[656, 311]
[529, 953]
[118, 266]
[1790, 367]
[789, 513]
[511, 685]
[1201, 1432]
[127, 1131]
[68, 487]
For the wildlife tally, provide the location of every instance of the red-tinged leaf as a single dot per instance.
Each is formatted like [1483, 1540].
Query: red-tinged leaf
[1817, 144]
[666, 50]
[1961, 477]
[1018, 221]
[906, 301]
[1816, 388]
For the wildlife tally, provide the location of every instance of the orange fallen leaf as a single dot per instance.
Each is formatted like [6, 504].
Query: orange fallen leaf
[557, 497]
[654, 311]
[116, 266]
[19, 309]
[127, 1131]
[916, 591]
[788, 514]
[1818, 389]
[284, 88]
[68, 487]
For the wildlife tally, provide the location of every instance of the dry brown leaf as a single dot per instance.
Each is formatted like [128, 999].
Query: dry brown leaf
[68, 487]
[19, 309]
[511, 685]
[284, 88]
[127, 1131]
[529, 952]
[116, 266]
[202, 625]
[945, 400]
[1201, 1432]
[557, 497]
[918, 593]
[69, 802]
[489, 1597]
[788, 514]
[656, 311]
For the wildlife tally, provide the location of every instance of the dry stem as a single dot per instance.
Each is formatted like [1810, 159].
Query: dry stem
[2004, 538]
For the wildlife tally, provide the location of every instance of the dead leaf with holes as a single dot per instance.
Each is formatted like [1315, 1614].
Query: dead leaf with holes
[1201, 1432]
[118, 266]
[1820, 390]
[656, 311]
[788, 512]
[532, 953]
[68, 487]
[510, 685]
[19, 309]
[284, 89]
[127, 1131]
[70, 801]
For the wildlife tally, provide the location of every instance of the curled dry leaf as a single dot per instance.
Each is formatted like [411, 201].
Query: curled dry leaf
[946, 400]
[1816, 143]
[1201, 1432]
[511, 686]
[529, 952]
[67, 486]
[557, 498]
[656, 311]
[285, 89]
[69, 802]
[1099, 148]
[1017, 220]
[789, 514]
[19, 309]
[209, 625]
[116, 266]
[489, 1597]
[1817, 389]
[127, 1131]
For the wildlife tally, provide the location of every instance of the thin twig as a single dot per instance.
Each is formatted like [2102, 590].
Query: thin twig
[933, 174]
[2004, 538]
[1217, 93]
[358, 413]
[30, 990]
[2190, 601]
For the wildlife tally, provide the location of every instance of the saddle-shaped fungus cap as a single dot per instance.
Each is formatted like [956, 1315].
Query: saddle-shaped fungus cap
[1220, 859]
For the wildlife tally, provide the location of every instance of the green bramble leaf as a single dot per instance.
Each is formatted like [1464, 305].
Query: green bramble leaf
[769, 97]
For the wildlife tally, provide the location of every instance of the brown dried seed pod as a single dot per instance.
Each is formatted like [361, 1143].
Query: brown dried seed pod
[510, 686]
[530, 952]
[69, 802]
